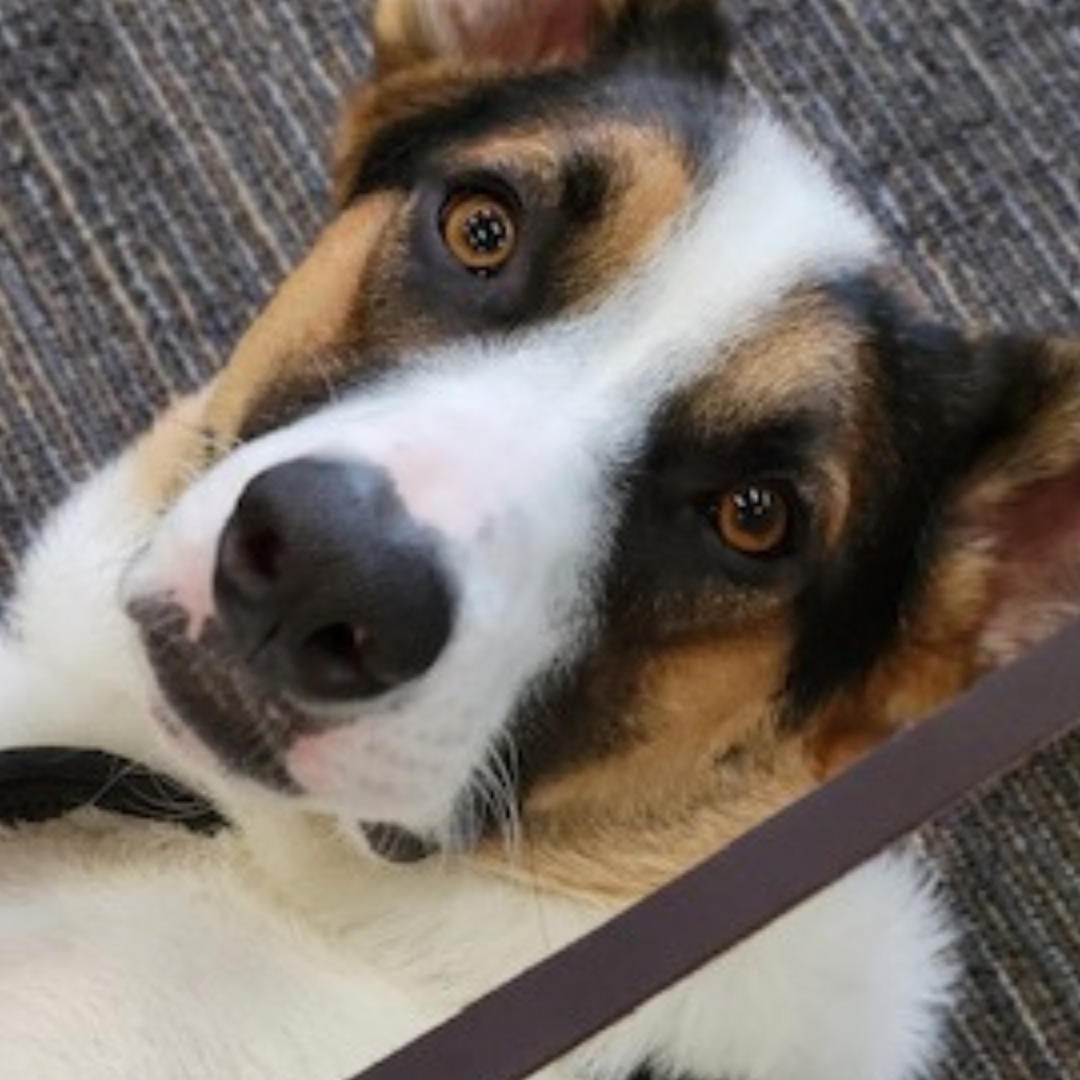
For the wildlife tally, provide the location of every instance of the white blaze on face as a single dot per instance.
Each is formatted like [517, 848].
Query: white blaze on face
[506, 452]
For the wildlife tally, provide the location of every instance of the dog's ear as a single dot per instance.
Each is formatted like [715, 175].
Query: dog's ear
[1021, 502]
[531, 33]
[987, 434]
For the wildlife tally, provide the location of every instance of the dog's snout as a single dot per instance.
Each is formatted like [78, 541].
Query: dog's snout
[327, 587]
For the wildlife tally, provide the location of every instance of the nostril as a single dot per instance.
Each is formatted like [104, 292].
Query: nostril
[340, 641]
[250, 558]
[261, 550]
[332, 662]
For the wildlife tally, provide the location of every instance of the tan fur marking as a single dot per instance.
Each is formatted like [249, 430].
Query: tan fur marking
[308, 312]
[615, 859]
[532, 150]
[805, 355]
[656, 187]
[174, 452]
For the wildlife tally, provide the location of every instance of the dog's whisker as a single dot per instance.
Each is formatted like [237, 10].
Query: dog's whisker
[492, 799]
[506, 773]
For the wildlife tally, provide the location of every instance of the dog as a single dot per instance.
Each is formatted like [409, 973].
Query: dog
[585, 496]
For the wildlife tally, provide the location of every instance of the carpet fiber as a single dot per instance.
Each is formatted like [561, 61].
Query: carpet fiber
[161, 168]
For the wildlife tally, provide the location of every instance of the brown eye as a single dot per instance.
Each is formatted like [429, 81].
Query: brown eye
[755, 519]
[479, 231]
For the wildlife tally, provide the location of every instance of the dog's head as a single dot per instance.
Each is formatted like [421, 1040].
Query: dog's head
[586, 474]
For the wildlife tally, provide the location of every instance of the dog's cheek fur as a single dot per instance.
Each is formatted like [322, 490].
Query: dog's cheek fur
[693, 762]
[672, 744]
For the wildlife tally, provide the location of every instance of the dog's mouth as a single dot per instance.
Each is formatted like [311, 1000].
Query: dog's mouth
[208, 692]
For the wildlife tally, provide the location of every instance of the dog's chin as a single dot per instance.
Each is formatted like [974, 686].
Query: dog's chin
[244, 730]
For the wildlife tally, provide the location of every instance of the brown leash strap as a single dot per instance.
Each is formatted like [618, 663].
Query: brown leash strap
[551, 1008]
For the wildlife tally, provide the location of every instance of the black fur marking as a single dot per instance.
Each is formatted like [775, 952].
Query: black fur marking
[648, 1070]
[395, 844]
[687, 34]
[668, 556]
[43, 783]
[587, 188]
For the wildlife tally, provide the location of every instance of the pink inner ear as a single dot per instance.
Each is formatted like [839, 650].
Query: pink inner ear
[524, 32]
[1036, 587]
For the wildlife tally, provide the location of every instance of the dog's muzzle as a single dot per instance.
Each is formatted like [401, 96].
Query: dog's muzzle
[326, 593]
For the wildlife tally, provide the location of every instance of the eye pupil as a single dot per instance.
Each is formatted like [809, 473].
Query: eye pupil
[485, 231]
[755, 509]
[479, 231]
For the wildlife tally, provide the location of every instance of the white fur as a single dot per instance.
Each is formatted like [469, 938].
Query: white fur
[180, 961]
[507, 454]
[282, 950]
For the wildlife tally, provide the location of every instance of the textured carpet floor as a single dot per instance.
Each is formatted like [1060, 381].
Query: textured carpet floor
[160, 168]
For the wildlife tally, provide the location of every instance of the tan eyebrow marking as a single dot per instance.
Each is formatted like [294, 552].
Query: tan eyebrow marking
[308, 312]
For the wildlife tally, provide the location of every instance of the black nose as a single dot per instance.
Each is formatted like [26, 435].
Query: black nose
[327, 587]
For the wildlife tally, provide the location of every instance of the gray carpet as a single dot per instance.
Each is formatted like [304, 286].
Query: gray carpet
[160, 168]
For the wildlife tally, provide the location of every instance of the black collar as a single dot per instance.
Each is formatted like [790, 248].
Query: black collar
[42, 783]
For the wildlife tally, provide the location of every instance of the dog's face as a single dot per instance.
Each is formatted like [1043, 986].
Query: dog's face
[585, 475]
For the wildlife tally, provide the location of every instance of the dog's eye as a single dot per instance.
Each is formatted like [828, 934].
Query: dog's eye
[756, 519]
[479, 230]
